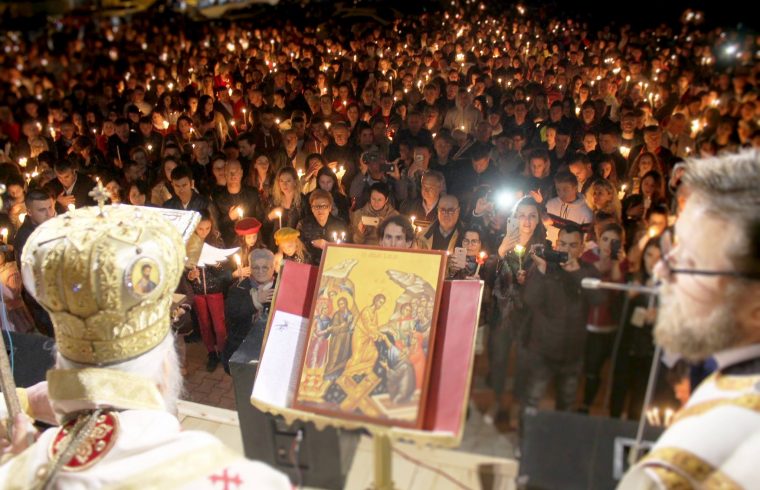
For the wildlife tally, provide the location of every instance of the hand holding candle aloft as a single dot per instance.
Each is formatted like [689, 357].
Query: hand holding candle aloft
[239, 263]
[520, 252]
[480, 260]
[621, 194]
[340, 172]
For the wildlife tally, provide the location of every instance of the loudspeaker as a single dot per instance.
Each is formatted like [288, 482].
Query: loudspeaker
[323, 457]
[31, 355]
[564, 450]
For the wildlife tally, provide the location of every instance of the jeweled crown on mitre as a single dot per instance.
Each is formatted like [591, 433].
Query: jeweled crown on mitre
[106, 277]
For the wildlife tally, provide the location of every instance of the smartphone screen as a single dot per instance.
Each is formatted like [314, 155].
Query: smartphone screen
[460, 257]
[513, 227]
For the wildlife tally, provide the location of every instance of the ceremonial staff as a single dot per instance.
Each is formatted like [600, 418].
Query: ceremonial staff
[7, 384]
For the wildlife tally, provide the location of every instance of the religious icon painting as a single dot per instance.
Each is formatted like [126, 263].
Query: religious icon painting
[143, 276]
[371, 335]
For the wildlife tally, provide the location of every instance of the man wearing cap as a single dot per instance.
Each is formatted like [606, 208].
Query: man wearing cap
[372, 172]
[117, 377]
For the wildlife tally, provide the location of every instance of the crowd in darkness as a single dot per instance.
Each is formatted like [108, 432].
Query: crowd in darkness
[536, 151]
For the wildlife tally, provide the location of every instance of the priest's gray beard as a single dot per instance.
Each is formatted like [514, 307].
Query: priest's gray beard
[694, 337]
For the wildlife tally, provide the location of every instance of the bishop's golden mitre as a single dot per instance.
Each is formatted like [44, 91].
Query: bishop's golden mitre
[106, 276]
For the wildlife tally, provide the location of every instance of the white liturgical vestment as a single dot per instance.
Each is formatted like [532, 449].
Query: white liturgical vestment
[714, 441]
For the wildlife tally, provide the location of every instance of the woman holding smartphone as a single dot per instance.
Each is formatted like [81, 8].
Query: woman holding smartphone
[510, 316]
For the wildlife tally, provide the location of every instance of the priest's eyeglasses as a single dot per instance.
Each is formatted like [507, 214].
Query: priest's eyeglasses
[669, 263]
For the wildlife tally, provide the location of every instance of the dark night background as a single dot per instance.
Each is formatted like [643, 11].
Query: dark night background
[730, 14]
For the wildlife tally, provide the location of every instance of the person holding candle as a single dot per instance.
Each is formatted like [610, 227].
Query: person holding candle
[478, 263]
[308, 179]
[425, 207]
[13, 200]
[235, 201]
[69, 187]
[328, 181]
[288, 204]
[319, 226]
[509, 316]
[209, 283]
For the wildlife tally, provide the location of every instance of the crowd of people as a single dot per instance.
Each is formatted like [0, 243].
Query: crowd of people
[535, 152]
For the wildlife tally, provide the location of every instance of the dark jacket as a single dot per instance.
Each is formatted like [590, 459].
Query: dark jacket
[248, 198]
[197, 203]
[559, 310]
[81, 192]
[241, 316]
[311, 230]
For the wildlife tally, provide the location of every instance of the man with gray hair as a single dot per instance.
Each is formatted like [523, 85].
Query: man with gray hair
[710, 307]
[248, 301]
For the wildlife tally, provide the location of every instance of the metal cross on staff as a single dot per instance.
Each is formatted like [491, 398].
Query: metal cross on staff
[99, 194]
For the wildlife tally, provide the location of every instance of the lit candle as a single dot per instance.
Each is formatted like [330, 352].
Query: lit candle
[625, 151]
[300, 173]
[335, 236]
[239, 263]
[413, 218]
[279, 217]
[71, 207]
[240, 212]
[22, 162]
[621, 194]
[4, 235]
[520, 252]
[482, 256]
[21, 218]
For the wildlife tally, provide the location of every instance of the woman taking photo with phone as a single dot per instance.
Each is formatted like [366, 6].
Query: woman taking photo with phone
[510, 316]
